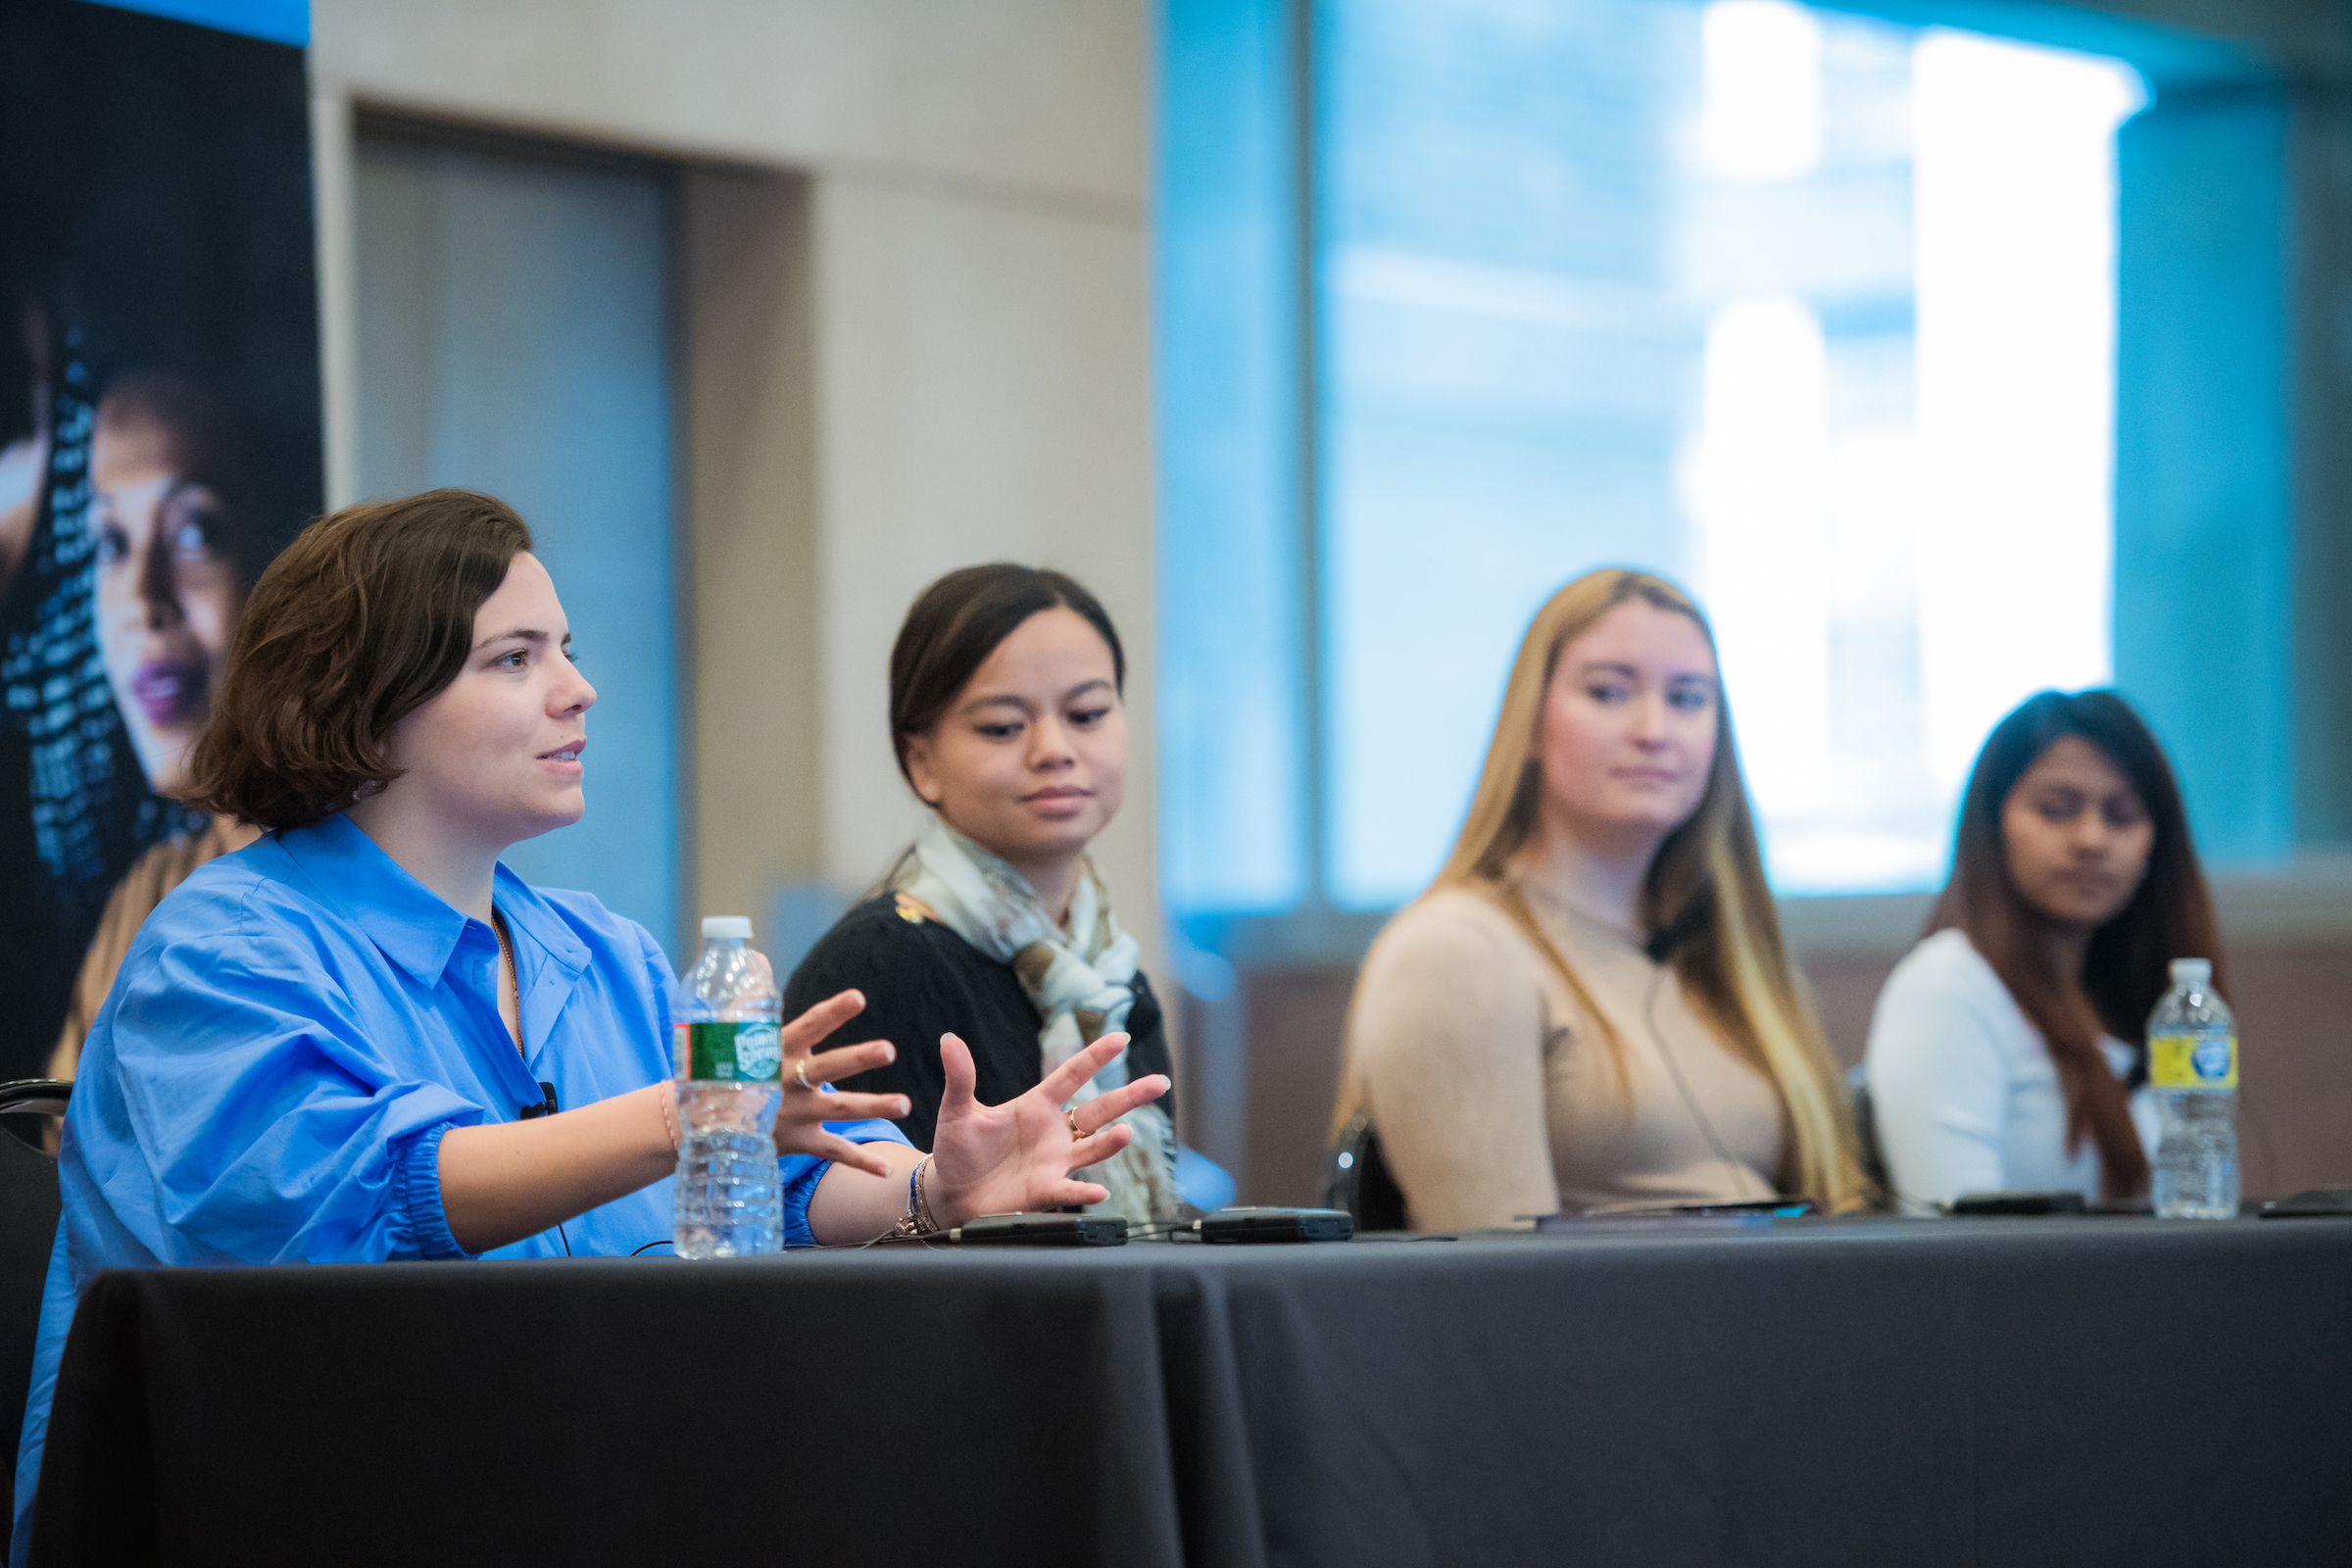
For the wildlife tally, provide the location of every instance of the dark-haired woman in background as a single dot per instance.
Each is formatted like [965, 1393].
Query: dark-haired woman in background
[1005, 688]
[2008, 1049]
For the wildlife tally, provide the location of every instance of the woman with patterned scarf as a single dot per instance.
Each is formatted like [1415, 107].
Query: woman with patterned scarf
[1005, 689]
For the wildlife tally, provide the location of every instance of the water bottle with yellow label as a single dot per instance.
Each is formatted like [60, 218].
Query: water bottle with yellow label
[2192, 1065]
[728, 1200]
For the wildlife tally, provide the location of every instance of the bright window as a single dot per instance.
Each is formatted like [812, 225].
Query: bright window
[1811, 312]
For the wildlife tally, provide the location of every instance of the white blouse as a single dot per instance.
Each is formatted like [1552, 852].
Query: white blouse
[1964, 1094]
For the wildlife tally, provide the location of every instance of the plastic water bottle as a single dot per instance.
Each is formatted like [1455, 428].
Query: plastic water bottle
[728, 1199]
[2192, 1065]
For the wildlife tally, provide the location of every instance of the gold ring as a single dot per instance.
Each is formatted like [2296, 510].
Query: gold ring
[800, 1075]
[1071, 1117]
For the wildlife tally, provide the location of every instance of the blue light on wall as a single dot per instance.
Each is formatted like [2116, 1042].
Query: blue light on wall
[277, 20]
[2204, 557]
[1233, 802]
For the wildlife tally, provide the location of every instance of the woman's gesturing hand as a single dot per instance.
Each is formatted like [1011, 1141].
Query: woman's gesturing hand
[1018, 1156]
[800, 1121]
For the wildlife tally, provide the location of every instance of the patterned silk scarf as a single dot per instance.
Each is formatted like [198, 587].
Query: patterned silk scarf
[1079, 977]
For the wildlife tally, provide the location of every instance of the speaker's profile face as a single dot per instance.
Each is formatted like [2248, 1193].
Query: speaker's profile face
[495, 756]
[1629, 724]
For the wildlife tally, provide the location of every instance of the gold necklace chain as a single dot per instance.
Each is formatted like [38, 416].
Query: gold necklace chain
[506, 952]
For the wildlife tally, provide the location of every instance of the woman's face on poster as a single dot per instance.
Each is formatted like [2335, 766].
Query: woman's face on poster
[168, 588]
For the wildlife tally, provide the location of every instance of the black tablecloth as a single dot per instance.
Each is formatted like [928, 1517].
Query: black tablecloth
[2021, 1391]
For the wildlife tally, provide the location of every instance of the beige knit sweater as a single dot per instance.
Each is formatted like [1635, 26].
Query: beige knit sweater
[1495, 1096]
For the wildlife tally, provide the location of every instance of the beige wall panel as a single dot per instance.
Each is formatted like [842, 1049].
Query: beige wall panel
[1036, 95]
[749, 460]
[984, 396]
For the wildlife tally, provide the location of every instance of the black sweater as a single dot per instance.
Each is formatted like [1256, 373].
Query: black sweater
[921, 980]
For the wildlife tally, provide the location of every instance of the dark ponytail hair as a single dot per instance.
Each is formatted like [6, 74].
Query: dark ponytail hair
[2124, 971]
[957, 622]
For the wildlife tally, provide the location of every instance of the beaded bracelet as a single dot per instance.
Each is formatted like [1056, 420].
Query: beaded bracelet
[917, 1211]
[922, 1202]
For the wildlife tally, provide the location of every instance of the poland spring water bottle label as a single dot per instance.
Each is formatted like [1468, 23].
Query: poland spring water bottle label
[2192, 1062]
[729, 1052]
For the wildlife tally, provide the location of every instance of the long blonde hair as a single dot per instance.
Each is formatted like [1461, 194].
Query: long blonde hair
[1706, 880]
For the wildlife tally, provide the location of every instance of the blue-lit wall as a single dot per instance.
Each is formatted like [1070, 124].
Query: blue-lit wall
[2205, 528]
[1233, 801]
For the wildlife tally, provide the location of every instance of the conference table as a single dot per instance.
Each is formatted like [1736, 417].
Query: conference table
[2022, 1390]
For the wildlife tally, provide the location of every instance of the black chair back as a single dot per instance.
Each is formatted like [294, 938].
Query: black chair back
[1866, 1136]
[1360, 1181]
[28, 1208]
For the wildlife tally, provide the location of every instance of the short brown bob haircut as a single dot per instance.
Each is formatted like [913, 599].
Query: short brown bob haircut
[362, 619]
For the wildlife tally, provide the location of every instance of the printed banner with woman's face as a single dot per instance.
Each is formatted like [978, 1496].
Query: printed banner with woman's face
[159, 441]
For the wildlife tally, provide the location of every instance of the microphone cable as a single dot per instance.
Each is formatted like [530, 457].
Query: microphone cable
[548, 1106]
[1650, 1019]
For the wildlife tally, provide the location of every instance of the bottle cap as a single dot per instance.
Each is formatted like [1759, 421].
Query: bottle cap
[726, 928]
[2186, 971]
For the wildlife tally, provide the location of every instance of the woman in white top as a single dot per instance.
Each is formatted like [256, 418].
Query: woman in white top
[1592, 1007]
[2008, 1051]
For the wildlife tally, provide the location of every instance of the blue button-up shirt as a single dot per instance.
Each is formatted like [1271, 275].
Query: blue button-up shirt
[293, 1031]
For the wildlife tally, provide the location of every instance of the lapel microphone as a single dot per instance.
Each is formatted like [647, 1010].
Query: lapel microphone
[1686, 923]
[547, 1106]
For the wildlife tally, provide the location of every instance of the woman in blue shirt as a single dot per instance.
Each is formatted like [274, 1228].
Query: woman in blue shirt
[330, 1047]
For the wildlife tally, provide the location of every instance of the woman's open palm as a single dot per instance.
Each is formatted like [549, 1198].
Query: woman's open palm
[1018, 1156]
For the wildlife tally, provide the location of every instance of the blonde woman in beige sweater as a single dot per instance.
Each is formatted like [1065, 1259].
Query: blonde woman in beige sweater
[1591, 1007]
